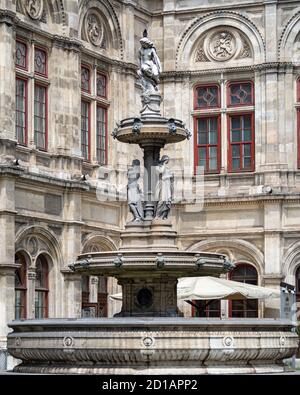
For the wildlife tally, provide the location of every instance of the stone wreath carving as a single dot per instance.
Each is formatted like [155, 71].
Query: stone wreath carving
[93, 27]
[222, 45]
[34, 8]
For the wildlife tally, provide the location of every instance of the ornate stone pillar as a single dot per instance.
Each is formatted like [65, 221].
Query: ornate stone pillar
[31, 276]
[7, 299]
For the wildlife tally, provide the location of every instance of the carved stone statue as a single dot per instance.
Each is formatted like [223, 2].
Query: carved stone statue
[134, 192]
[150, 66]
[164, 188]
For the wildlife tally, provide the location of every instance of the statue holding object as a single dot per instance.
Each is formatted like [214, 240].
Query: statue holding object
[134, 192]
[164, 188]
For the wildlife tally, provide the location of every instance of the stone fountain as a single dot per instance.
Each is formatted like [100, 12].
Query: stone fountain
[149, 335]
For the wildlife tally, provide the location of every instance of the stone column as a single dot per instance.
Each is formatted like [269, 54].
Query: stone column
[72, 295]
[7, 84]
[93, 298]
[65, 98]
[273, 253]
[31, 276]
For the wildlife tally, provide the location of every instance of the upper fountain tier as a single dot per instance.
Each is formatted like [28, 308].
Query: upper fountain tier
[150, 126]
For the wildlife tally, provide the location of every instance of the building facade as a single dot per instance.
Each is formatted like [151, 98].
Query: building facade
[68, 75]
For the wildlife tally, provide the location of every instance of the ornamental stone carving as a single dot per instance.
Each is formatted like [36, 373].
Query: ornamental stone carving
[148, 341]
[93, 28]
[34, 8]
[223, 45]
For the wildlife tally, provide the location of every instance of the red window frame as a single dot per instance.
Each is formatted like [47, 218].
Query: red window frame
[46, 62]
[98, 148]
[83, 66]
[25, 142]
[218, 145]
[208, 312]
[18, 40]
[230, 144]
[105, 77]
[38, 84]
[88, 145]
[229, 104]
[22, 271]
[298, 90]
[298, 137]
[218, 105]
[44, 289]
[240, 265]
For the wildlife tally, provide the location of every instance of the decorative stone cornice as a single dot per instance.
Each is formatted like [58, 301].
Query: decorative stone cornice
[8, 17]
[67, 43]
[253, 68]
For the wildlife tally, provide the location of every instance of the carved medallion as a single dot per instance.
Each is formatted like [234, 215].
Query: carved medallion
[18, 341]
[68, 341]
[34, 8]
[222, 46]
[282, 341]
[93, 29]
[228, 341]
[148, 341]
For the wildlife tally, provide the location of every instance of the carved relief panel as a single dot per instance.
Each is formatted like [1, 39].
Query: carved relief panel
[34, 8]
[93, 29]
[222, 45]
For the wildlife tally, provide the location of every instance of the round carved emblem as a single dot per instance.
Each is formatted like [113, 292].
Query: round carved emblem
[228, 341]
[34, 8]
[32, 246]
[68, 341]
[93, 29]
[148, 341]
[222, 45]
[18, 341]
[282, 340]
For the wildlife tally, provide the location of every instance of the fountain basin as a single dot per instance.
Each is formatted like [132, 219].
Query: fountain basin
[151, 345]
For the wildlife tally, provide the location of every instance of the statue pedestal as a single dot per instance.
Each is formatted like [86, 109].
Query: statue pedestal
[151, 105]
[155, 235]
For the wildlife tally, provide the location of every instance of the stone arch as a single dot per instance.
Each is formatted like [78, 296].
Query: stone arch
[55, 8]
[291, 261]
[288, 38]
[97, 242]
[108, 16]
[36, 240]
[201, 25]
[239, 251]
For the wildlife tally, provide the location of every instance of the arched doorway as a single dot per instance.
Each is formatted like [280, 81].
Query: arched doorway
[244, 308]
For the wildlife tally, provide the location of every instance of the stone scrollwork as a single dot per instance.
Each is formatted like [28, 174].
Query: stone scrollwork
[93, 27]
[34, 8]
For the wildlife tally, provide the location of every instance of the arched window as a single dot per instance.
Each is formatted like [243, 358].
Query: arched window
[298, 284]
[20, 287]
[41, 287]
[247, 308]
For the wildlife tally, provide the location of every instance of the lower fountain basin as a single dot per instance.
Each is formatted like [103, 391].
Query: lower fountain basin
[151, 345]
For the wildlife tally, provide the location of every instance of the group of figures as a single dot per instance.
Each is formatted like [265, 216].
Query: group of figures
[163, 194]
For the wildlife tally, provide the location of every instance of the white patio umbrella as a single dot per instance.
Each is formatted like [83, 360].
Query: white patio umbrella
[209, 288]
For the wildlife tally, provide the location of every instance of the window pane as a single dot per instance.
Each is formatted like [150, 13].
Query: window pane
[235, 123]
[85, 79]
[21, 54]
[40, 61]
[85, 130]
[101, 85]
[247, 135]
[40, 116]
[241, 94]
[101, 135]
[207, 97]
[21, 111]
[236, 163]
[235, 136]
